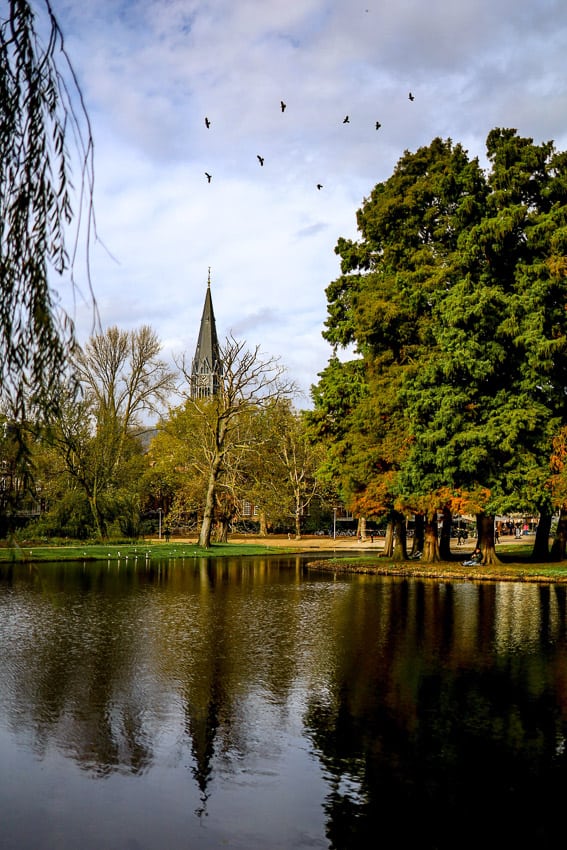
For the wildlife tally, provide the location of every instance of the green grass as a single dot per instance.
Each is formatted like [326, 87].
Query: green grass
[131, 552]
[515, 565]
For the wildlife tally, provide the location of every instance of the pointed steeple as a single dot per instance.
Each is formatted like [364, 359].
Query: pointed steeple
[206, 366]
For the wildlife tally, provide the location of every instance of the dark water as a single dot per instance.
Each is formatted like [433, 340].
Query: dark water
[256, 704]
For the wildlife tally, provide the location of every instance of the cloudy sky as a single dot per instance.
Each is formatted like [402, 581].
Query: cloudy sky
[152, 70]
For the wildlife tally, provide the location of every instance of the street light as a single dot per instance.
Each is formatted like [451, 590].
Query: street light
[334, 522]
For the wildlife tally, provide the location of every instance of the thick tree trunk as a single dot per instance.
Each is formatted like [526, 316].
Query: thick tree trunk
[361, 529]
[221, 530]
[541, 543]
[431, 539]
[389, 540]
[418, 541]
[560, 539]
[485, 534]
[400, 541]
[445, 540]
[263, 530]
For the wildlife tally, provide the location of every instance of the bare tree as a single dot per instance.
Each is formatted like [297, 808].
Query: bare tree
[248, 380]
[122, 378]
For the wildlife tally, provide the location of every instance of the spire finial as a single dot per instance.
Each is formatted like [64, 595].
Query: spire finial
[209, 279]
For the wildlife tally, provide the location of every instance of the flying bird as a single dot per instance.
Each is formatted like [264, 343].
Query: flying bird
[346, 120]
[411, 97]
[260, 159]
[207, 123]
[378, 125]
[283, 105]
[319, 185]
[208, 176]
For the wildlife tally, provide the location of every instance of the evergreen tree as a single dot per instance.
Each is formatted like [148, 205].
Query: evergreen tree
[455, 299]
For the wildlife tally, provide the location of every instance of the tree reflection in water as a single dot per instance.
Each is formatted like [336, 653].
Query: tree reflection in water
[308, 711]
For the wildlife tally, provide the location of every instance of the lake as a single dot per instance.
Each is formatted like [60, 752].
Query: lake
[259, 703]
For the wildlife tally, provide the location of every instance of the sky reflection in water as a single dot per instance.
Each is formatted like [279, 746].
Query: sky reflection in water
[258, 704]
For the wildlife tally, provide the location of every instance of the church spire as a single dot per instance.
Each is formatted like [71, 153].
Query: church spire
[206, 367]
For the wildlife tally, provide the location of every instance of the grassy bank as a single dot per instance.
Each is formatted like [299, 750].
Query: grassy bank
[515, 565]
[128, 552]
[515, 559]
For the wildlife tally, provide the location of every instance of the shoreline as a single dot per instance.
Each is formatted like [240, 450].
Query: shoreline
[522, 570]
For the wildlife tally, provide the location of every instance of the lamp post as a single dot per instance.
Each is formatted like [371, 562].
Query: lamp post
[335, 522]
[159, 523]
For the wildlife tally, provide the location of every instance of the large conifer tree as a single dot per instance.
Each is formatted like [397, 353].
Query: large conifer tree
[455, 297]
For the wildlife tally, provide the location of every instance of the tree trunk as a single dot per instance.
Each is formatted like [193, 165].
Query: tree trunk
[485, 534]
[389, 540]
[221, 530]
[361, 530]
[400, 544]
[418, 541]
[445, 540]
[431, 539]
[208, 515]
[99, 522]
[541, 543]
[263, 529]
[560, 540]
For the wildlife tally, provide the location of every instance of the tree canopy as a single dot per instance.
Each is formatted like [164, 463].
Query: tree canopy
[455, 300]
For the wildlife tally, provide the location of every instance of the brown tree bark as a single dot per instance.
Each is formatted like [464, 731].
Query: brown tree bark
[389, 540]
[541, 543]
[263, 530]
[418, 540]
[431, 539]
[400, 540]
[445, 539]
[485, 538]
[560, 540]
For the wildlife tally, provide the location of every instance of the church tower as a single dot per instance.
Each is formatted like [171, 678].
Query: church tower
[206, 367]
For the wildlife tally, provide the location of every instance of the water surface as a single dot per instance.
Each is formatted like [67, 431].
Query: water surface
[254, 703]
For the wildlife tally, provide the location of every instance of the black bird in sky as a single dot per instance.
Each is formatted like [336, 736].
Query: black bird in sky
[411, 97]
[207, 123]
[208, 176]
[319, 185]
[283, 105]
[378, 125]
[346, 120]
[260, 159]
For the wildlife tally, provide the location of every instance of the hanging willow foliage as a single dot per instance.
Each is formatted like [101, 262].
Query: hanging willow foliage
[44, 129]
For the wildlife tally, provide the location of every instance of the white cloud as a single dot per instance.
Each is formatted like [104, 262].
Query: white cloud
[152, 69]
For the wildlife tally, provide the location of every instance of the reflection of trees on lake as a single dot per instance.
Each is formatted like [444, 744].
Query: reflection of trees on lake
[431, 707]
[105, 657]
[429, 735]
[77, 664]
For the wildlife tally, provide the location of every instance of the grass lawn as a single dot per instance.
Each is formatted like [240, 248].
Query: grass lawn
[515, 565]
[128, 552]
[515, 559]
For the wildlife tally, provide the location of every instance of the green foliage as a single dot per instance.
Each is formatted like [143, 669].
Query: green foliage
[455, 299]
[69, 517]
[36, 121]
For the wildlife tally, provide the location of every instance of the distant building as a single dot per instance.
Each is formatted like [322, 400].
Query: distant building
[206, 368]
